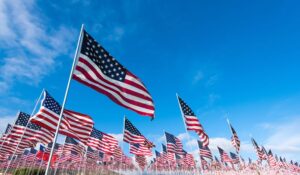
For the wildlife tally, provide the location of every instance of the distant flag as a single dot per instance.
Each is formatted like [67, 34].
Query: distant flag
[73, 145]
[140, 149]
[271, 159]
[257, 149]
[174, 145]
[204, 150]
[264, 153]
[234, 138]
[73, 124]
[191, 121]
[234, 158]
[224, 156]
[133, 135]
[8, 129]
[100, 71]
[102, 142]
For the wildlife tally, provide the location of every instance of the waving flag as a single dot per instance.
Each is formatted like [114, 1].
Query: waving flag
[174, 145]
[224, 156]
[102, 142]
[259, 152]
[271, 159]
[204, 151]
[73, 124]
[192, 123]
[97, 69]
[235, 159]
[235, 139]
[140, 149]
[72, 145]
[133, 135]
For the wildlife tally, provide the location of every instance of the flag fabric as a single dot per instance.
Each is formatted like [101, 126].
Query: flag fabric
[8, 129]
[192, 123]
[140, 149]
[204, 151]
[103, 142]
[174, 145]
[100, 71]
[133, 135]
[259, 152]
[73, 124]
[234, 158]
[72, 145]
[271, 159]
[235, 141]
[224, 156]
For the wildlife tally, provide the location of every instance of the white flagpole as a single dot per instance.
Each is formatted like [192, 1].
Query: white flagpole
[66, 96]
[23, 132]
[182, 115]
[122, 143]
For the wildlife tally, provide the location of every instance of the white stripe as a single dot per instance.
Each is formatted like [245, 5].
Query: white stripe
[137, 108]
[124, 94]
[118, 83]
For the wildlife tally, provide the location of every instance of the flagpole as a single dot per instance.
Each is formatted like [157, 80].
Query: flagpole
[66, 96]
[24, 131]
[182, 115]
[122, 142]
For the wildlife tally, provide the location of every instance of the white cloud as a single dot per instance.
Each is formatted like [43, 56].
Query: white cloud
[5, 120]
[31, 46]
[285, 138]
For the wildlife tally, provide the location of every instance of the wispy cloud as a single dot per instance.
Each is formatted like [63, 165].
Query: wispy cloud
[198, 77]
[31, 46]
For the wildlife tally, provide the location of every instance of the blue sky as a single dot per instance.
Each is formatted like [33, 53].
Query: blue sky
[235, 59]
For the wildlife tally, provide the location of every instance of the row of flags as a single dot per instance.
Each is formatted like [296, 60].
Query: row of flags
[87, 147]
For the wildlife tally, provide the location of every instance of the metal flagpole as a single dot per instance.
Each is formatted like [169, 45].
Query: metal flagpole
[182, 115]
[23, 132]
[65, 97]
[122, 143]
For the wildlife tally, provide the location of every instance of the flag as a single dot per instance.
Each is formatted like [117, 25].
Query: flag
[257, 149]
[72, 145]
[102, 141]
[271, 159]
[174, 145]
[133, 135]
[73, 124]
[100, 71]
[234, 158]
[224, 156]
[235, 141]
[192, 123]
[140, 149]
[204, 151]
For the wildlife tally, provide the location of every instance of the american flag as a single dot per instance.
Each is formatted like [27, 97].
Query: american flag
[8, 129]
[133, 135]
[97, 69]
[204, 151]
[102, 141]
[257, 149]
[264, 153]
[224, 156]
[73, 124]
[174, 145]
[271, 159]
[72, 145]
[192, 122]
[140, 149]
[141, 160]
[235, 141]
[235, 159]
